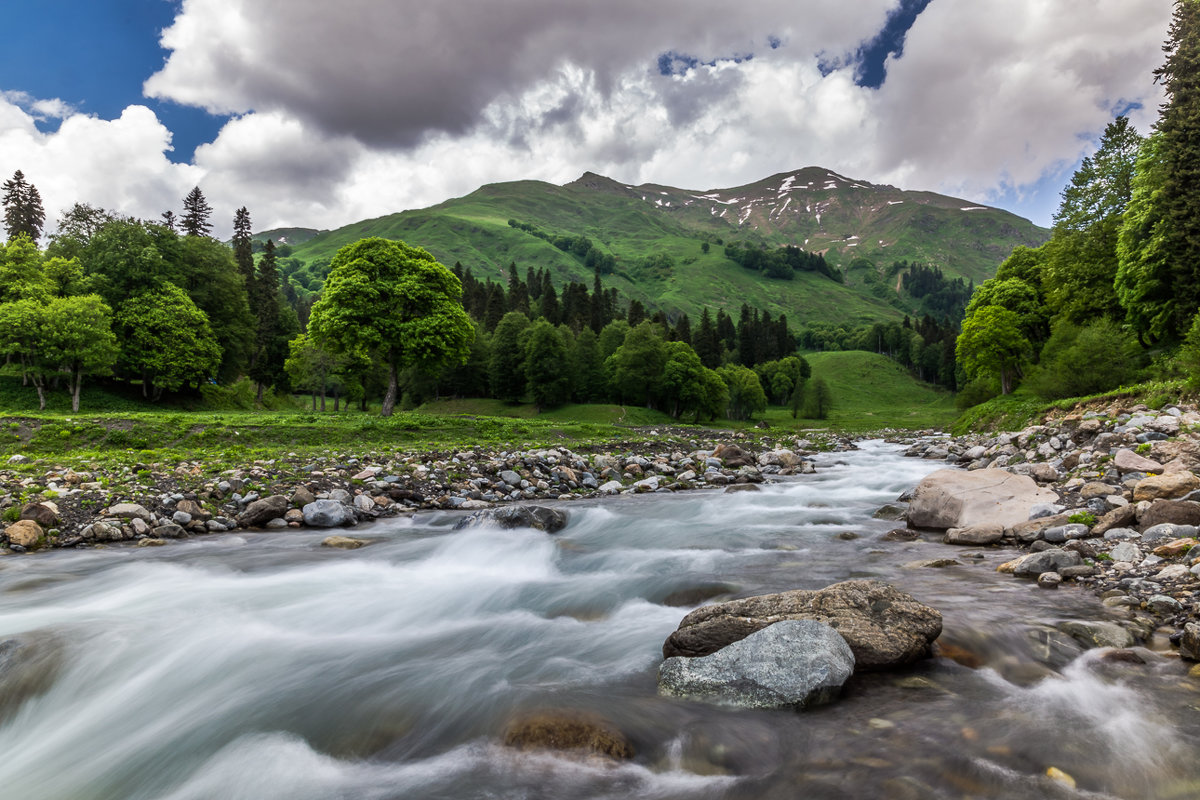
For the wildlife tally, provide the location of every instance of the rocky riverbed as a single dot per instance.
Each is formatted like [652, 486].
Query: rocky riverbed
[1106, 498]
[45, 505]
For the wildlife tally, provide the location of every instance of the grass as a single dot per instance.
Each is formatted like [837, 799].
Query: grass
[872, 392]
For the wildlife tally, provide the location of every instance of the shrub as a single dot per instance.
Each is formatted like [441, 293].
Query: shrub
[1085, 360]
[1082, 518]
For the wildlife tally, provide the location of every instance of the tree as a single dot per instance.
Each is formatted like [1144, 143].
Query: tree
[1178, 127]
[818, 399]
[636, 367]
[166, 341]
[78, 224]
[77, 338]
[506, 367]
[1018, 297]
[587, 367]
[1082, 360]
[21, 275]
[707, 344]
[266, 360]
[243, 245]
[1081, 256]
[746, 394]
[1143, 283]
[170, 221]
[21, 324]
[196, 213]
[992, 343]
[396, 301]
[23, 212]
[309, 366]
[545, 358]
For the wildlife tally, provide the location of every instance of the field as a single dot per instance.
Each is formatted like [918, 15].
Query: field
[869, 393]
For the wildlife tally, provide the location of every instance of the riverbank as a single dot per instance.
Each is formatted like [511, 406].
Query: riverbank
[1117, 513]
[48, 504]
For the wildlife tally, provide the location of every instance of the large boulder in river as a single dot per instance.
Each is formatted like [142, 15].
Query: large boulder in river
[24, 533]
[550, 520]
[260, 512]
[884, 626]
[951, 498]
[791, 664]
[29, 665]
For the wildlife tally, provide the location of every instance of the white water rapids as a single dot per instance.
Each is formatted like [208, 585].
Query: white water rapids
[263, 666]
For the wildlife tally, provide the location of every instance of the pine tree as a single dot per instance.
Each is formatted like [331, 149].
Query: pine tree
[683, 329]
[637, 313]
[196, 212]
[170, 221]
[1179, 148]
[707, 345]
[598, 310]
[23, 212]
[243, 247]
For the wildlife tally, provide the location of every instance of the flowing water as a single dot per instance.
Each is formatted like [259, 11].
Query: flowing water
[263, 666]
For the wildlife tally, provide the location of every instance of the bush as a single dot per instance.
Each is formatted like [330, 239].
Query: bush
[237, 395]
[1085, 360]
[1082, 518]
[978, 391]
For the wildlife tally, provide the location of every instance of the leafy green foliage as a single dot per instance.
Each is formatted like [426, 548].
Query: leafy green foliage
[23, 212]
[992, 343]
[545, 358]
[636, 368]
[396, 301]
[506, 366]
[746, 394]
[166, 340]
[1079, 360]
[1082, 518]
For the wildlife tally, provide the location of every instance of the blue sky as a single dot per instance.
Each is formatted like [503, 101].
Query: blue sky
[332, 112]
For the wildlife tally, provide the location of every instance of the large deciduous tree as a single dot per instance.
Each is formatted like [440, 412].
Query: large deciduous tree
[23, 212]
[992, 343]
[166, 341]
[546, 364]
[396, 301]
[78, 339]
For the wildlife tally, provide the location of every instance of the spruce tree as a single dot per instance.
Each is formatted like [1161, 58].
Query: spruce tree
[23, 212]
[196, 212]
[266, 362]
[243, 247]
[707, 345]
[170, 221]
[1179, 148]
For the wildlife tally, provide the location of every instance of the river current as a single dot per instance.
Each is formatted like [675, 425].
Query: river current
[263, 666]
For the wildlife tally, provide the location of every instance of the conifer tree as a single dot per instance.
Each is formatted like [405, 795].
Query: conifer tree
[707, 345]
[1179, 149]
[266, 362]
[243, 247]
[171, 221]
[23, 212]
[196, 212]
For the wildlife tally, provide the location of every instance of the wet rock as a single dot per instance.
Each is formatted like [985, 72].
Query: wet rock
[568, 731]
[342, 542]
[29, 665]
[25, 533]
[884, 626]
[695, 595]
[541, 518]
[168, 530]
[975, 535]
[1189, 643]
[790, 664]
[956, 499]
[327, 514]
[740, 487]
[263, 511]
[151, 542]
[901, 535]
[1049, 580]
[301, 497]
[932, 563]
[733, 456]
[1051, 560]
[44, 514]
[1097, 633]
[890, 512]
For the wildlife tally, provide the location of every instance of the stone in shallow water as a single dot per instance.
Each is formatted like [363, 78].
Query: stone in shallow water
[791, 664]
[550, 520]
[569, 731]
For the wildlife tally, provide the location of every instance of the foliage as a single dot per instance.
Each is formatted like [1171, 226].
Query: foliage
[196, 213]
[636, 368]
[545, 357]
[992, 343]
[397, 301]
[818, 399]
[746, 394]
[166, 340]
[506, 365]
[1079, 360]
[23, 212]
[1082, 518]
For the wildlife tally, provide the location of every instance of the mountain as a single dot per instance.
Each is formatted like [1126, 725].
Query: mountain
[666, 244]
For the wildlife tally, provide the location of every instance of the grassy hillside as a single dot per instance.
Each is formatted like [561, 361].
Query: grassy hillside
[847, 220]
[871, 391]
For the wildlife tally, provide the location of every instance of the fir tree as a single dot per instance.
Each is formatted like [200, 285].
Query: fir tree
[243, 246]
[23, 212]
[707, 345]
[170, 221]
[266, 362]
[196, 212]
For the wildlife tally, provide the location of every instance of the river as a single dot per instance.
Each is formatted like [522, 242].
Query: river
[263, 666]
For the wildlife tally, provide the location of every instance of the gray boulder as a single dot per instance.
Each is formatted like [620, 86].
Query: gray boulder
[951, 498]
[541, 518]
[884, 626]
[1054, 559]
[260, 512]
[1097, 633]
[790, 664]
[327, 514]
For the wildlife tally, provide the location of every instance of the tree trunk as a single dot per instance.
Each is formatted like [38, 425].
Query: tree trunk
[337, 401]
[314, 399]
[322, 398]
[75, 391]
[259, 395]
[389, 398]
[41, 395]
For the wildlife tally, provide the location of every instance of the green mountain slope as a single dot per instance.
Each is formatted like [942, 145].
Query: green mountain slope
[855, 224]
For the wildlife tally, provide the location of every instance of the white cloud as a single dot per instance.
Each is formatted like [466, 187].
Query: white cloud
[359, 109]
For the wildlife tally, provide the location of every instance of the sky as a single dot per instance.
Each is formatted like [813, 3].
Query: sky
[316, 114]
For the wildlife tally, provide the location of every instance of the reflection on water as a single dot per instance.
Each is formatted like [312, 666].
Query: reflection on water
[263, 666]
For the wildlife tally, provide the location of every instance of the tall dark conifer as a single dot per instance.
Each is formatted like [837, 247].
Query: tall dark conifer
[23, 212]
[171, 221]
[243, 248]
[267, 359]
[707, 345]
[196, 213]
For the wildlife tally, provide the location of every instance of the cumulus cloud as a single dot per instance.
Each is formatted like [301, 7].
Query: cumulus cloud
[360, 109]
